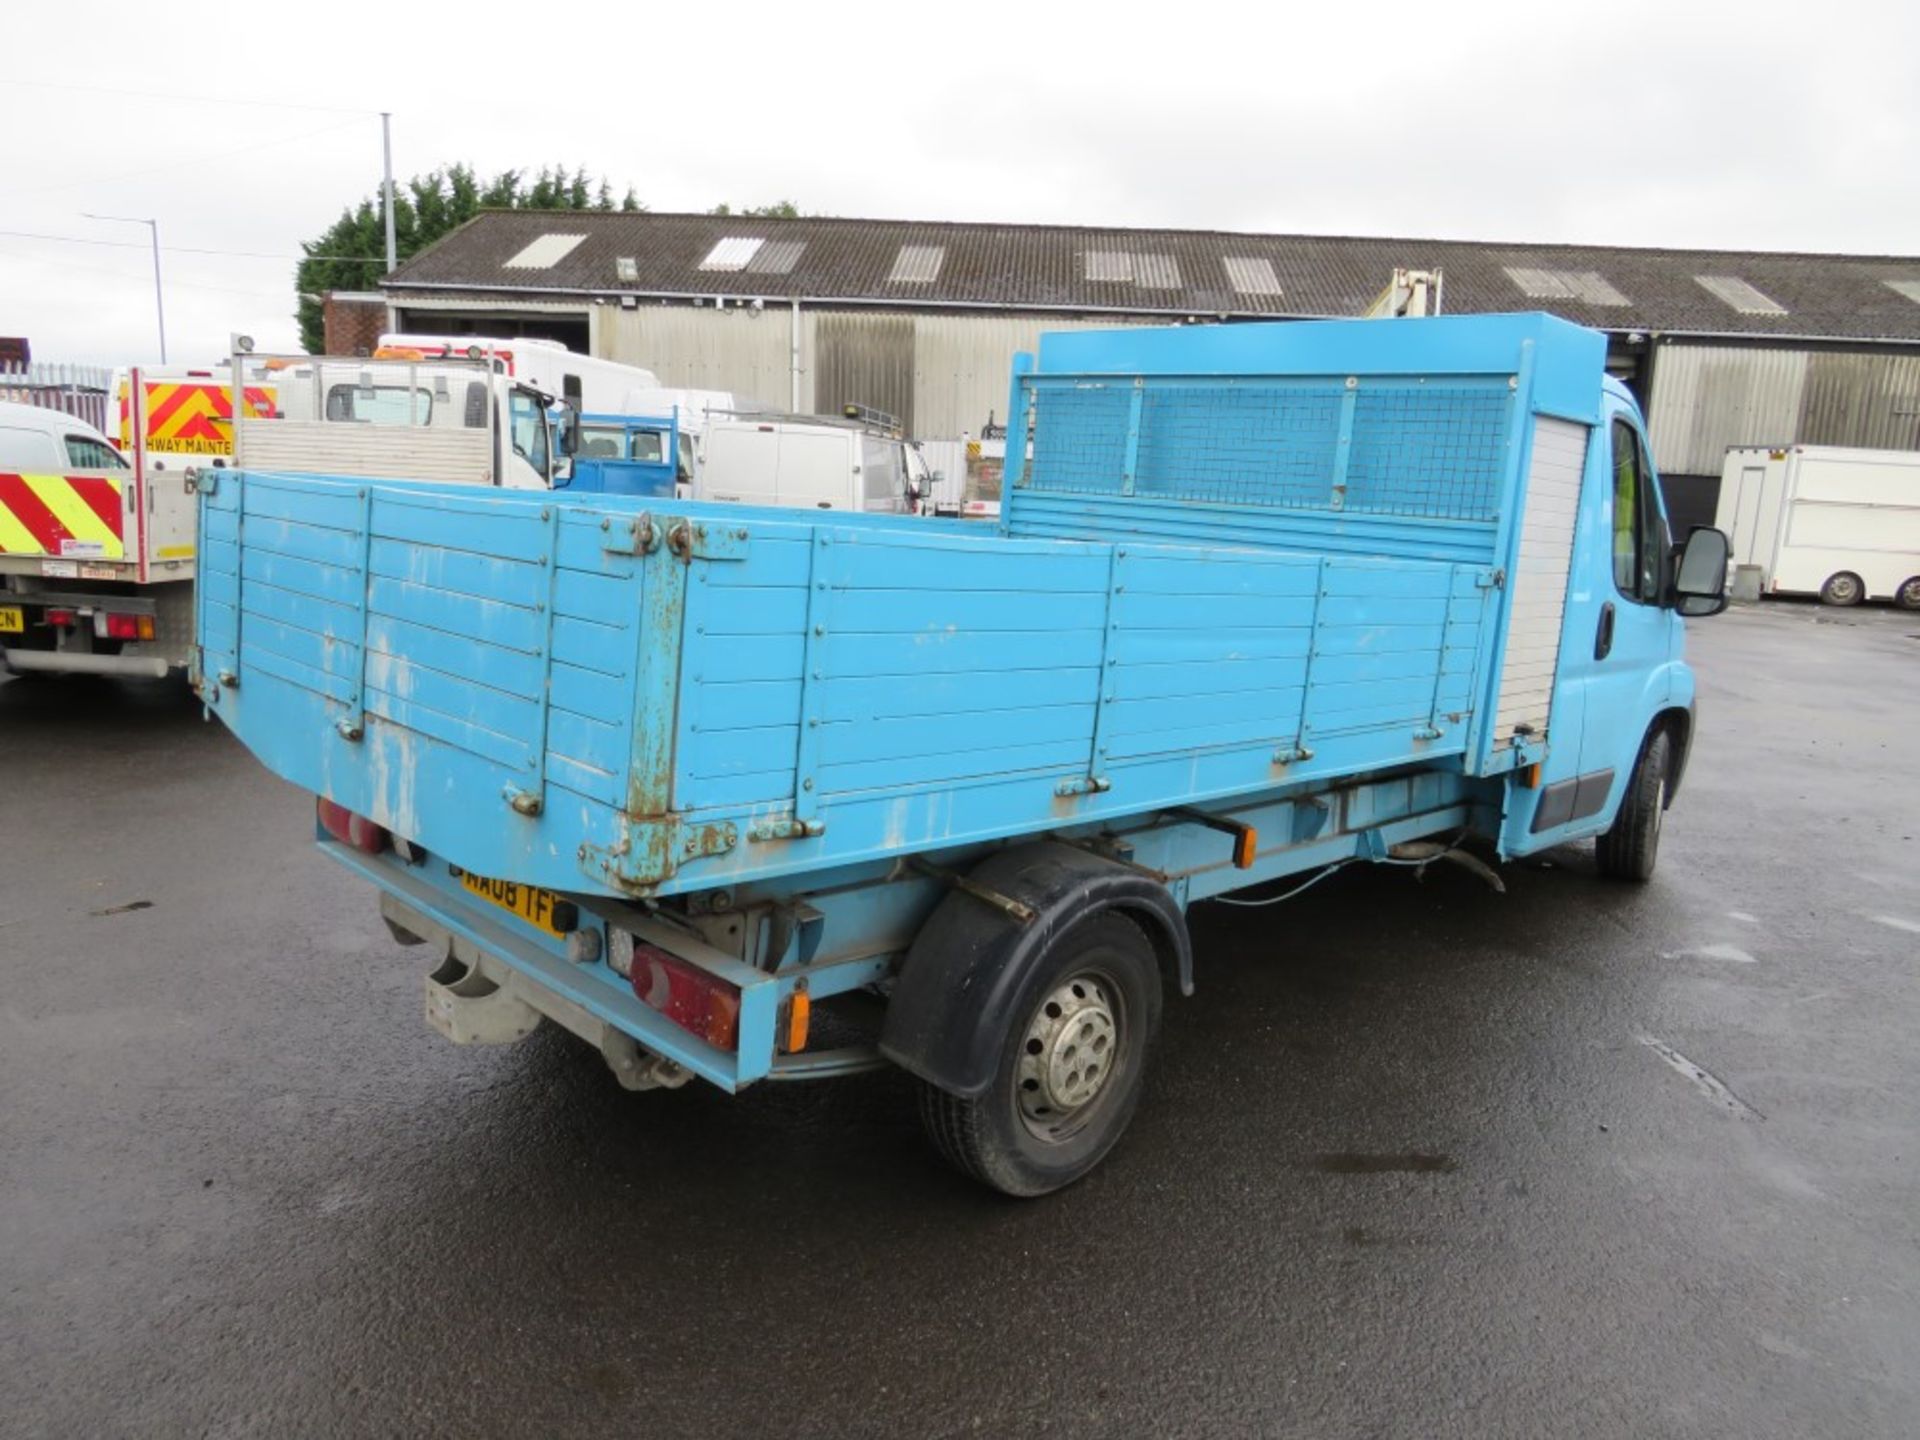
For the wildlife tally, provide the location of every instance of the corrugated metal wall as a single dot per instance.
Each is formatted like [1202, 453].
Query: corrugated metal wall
[1707, 398]
[701, 348]
[942, 374]
[963, 366]
[865, 360]
[1868, 400]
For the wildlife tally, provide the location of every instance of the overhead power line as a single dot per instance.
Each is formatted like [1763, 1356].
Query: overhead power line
[185, 249]
[218, 99]
[137, 278]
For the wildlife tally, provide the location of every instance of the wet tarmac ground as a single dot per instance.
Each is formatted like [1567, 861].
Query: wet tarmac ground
[1418, 1159]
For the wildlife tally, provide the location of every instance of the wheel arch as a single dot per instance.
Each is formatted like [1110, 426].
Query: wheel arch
[1677, 721]
[953, 999]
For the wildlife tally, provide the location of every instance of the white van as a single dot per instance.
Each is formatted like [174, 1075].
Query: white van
[813, 462]
[35, 440]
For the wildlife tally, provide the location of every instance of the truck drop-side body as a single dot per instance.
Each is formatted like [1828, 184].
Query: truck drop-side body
[1263, 599]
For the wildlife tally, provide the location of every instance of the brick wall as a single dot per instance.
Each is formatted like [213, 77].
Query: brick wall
[353, 322]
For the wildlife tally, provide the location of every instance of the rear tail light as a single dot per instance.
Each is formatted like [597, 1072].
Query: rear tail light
[700, 1004]
[59, 617]
[348, 828]
[129, 627]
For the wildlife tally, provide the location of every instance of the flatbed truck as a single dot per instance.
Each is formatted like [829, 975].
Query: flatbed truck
[690, 780]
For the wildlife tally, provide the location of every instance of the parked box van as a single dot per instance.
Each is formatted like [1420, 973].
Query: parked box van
[811, 462]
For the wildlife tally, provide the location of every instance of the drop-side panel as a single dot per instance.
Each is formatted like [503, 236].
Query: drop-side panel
[422, 655]
[1550, 504]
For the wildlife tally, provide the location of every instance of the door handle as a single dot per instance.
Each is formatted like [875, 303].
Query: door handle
[1603, 637]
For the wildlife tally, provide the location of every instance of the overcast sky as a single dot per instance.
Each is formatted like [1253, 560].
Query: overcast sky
[1785, 127]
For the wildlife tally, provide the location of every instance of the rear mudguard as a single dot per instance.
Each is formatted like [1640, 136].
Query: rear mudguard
[950, 1008]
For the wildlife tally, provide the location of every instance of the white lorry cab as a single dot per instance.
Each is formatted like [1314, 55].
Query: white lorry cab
[812, 462]
[456, 419]
[1843, 524]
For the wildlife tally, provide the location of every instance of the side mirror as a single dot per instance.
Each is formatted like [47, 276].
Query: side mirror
[566, 431]
[1700, 579]
[562, 472]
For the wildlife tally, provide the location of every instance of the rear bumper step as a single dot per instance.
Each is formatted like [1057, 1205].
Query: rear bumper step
[129, 667]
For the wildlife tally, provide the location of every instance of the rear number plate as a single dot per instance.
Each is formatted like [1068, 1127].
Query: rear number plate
[541, 909]
[13, 620]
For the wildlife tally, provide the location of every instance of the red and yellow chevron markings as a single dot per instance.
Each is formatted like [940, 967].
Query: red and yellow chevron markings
[192, 417]
[62, 515]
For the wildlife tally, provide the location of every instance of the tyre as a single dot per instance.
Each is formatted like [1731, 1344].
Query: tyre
[1907, 597]
[1070, 1069]
[1845, 588]
[1632, 843]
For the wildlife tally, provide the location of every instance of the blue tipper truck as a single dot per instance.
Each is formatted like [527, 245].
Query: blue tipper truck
[745, 794]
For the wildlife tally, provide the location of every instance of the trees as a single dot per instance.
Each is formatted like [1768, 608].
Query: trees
[778, 210]
[350, 254]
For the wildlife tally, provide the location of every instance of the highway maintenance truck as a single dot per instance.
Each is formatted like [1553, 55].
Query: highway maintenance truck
[97, 551]
[691, 780]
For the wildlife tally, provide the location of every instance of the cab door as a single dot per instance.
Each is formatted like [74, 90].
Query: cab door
[1627, 661]
[527, 462]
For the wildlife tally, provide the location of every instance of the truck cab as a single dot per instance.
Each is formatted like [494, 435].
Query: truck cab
[1614, 678]
[628, 455]
[462, 419]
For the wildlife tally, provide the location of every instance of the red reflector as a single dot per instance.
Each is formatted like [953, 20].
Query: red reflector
[59, 617]
[348, 828]
[123, 627]
[697, 1002]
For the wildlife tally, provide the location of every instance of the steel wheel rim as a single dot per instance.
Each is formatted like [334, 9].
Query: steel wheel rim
[1070, 1052]
[1843, 588]
[1910, 594]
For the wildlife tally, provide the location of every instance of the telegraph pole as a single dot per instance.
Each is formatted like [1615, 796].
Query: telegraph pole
[386, 146]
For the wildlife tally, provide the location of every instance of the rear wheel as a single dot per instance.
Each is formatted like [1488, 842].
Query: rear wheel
[1907, 597]
[1631, 844]
[1845, 588]
[1070, 1067]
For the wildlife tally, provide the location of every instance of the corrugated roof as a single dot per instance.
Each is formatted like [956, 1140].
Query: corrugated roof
[1068, 269]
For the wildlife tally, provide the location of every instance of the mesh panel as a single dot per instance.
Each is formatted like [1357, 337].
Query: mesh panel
[1420, 451]
[1430, 451]
[1238, 444]
[1085, 444]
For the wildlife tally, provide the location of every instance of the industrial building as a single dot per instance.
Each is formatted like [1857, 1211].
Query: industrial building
[1723, 348]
